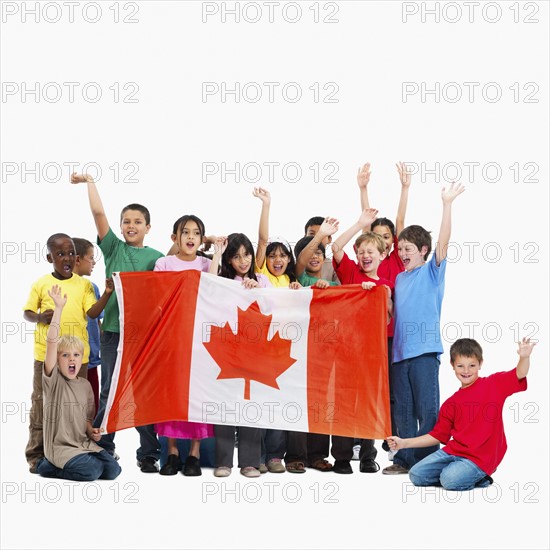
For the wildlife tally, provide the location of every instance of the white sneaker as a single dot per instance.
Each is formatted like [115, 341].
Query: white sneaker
[356, 449]
[250, 471]
[391, 454]
[222, 471]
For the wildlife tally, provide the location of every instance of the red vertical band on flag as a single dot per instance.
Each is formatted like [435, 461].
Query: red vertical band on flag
[152, 384]
[347, 376]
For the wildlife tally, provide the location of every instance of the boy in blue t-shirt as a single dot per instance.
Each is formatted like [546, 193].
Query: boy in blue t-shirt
[417, 341]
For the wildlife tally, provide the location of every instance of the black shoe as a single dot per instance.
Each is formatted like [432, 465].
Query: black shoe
[368, 466]
[385, 446]
[342, 467]
[172, 467]
[148, 465]
[192, 467]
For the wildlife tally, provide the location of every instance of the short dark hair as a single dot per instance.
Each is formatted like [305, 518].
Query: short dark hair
[383, 222]
[54, 237]
[303, 242]
[139, 208]
[316, 220]
[82, 246]
[467, 348]
[417, 235]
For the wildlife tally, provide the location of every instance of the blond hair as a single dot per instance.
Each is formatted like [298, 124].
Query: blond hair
[68, 343]
[371, 238]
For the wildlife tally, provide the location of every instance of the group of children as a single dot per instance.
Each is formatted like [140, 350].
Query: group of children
[66, 443]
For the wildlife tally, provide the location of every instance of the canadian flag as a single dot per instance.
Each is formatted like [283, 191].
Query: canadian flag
[202, 348]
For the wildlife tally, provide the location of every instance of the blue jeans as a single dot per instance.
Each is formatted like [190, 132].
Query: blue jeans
[83, 467]
[453, 473]
[416, 406]
[149, 443]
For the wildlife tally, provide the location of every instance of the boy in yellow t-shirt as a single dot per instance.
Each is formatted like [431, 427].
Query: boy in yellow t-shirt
[39, 310]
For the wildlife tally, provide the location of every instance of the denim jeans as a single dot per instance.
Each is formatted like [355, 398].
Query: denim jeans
[453, 473]
[83, 467]
[416, 406]
[149, 443]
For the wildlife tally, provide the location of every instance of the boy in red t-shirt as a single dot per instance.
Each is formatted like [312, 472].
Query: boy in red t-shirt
[472, 417]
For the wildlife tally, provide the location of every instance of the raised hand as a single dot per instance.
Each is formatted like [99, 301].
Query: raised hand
[404, 174]
[450, 194]
[262, 194]
[367, 216]
[525, 347]
[58, 299]
[329, 226]
[220, 244]
[81, 178]
[363, 175]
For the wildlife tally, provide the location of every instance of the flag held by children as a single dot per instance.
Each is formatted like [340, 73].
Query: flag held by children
[202, 348]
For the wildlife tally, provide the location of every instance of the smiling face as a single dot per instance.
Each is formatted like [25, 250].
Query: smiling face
[188, 239]
[385, 232]
[241, 261]
[62, 255]
[466, 369]
[277, 261]
[69, 361]
[369, 258]
[134, 227]
[410, 255]
[315, 263]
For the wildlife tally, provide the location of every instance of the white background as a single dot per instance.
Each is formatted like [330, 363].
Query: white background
[369, 52]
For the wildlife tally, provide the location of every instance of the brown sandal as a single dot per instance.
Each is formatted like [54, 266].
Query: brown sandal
[295, 467]
[322, 465]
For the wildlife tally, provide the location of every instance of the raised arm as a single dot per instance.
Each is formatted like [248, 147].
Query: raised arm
[95, 311]
[263, 231]
[405, 178]
[220, 244]
[525, 347]
[52, 336]
[328, 227]
[367, 217]
[96, 206]
[448, 196]
[363, 178]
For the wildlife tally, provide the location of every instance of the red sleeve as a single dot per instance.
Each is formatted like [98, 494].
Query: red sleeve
[345, 270]
[508, 383]
[442, 430]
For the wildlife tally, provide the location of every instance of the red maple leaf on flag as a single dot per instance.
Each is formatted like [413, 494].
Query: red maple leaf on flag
[249, 354]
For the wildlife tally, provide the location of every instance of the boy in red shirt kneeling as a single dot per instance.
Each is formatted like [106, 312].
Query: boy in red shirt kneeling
[472, 417]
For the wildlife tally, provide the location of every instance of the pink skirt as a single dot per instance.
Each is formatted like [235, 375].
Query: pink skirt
[179, 429]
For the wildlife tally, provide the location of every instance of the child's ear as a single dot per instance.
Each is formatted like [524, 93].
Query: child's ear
[355, 249]
[384, 254]
[424, 251]
[49, 258]
[147, 227]
[76, 259]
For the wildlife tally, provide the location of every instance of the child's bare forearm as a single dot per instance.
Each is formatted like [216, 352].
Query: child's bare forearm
[444, 234]
[419, 442]
[339, 244]
[98, 212]
[52, 337]
[401, 210]
[522, 368]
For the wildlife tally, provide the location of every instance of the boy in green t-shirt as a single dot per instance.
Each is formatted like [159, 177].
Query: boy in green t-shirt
[127, 255]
